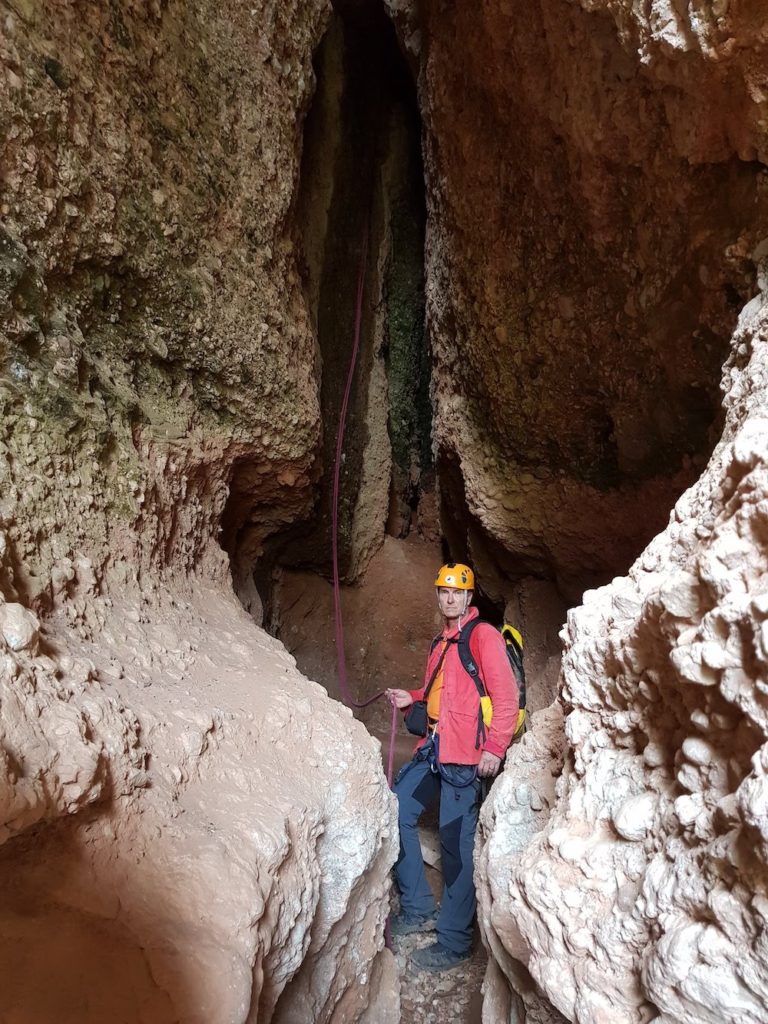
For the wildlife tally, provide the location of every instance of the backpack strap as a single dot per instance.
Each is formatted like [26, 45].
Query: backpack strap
[515, 655]
[470, 666]
[465, 654]
[438, 666]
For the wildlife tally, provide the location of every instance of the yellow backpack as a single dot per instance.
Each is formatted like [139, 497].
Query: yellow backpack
[513, 643]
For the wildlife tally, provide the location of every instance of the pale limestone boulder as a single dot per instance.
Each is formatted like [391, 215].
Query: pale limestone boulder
[234, 862]
[640, 901]
[516, 808]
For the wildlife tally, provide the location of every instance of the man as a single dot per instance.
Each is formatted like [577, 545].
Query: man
[457, 752]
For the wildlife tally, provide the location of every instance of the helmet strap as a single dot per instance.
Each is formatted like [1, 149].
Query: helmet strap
[464, 609]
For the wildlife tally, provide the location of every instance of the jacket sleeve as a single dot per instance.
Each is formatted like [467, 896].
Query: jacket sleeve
[489, 651]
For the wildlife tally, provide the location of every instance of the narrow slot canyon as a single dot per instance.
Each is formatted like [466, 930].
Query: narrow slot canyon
[550, 223]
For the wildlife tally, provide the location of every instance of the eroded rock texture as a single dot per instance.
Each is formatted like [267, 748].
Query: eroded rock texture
[645, 897]
[597, 209]
[360, 225]
[518, 807]
[181, 838]
[219, 852]
[152, 302]
[593, 196]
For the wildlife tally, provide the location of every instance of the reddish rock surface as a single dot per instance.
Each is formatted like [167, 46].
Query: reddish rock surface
[592, 206]
[180, 834]
[176, 807]
[596, 191]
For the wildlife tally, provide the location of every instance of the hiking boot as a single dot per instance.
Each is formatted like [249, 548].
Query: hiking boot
[406, 923]
[437, 958]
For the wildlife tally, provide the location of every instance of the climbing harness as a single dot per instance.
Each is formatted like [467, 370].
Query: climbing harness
[430, 752]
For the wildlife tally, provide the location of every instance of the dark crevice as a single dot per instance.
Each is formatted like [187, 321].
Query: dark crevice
[362, 170]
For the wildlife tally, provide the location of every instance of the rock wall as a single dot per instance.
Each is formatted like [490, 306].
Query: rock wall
[389, 619]
[361, 210]
[176, 805]
[596, 214]
[593, 196]
[644, 897]
[157, 342]
[178, 840]
[517, 808]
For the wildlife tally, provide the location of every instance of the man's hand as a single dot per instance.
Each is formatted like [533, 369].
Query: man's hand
[399, 698]
[489, 765]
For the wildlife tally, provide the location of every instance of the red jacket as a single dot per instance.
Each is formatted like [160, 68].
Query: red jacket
[460, 701]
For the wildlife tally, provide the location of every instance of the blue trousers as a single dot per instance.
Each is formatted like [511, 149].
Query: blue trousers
[416, 787]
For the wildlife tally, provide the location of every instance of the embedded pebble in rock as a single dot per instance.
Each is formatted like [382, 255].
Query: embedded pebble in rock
[634, 819]
[697, 750]
[19, 626]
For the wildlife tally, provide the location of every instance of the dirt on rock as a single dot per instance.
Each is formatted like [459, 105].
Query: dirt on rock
[390, 616]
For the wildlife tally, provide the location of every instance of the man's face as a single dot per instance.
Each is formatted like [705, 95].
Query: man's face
[451, 601]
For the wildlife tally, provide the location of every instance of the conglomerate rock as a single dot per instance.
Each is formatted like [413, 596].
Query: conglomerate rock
[517, 807]
[153, 320]
[176, 803]
[644, 897]
[190, 830]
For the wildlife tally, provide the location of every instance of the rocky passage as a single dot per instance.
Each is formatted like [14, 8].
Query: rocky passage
[451, 998]
[561, 211]
[637, 174]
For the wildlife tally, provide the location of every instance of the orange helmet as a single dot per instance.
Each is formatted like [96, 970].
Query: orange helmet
[455, 575]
